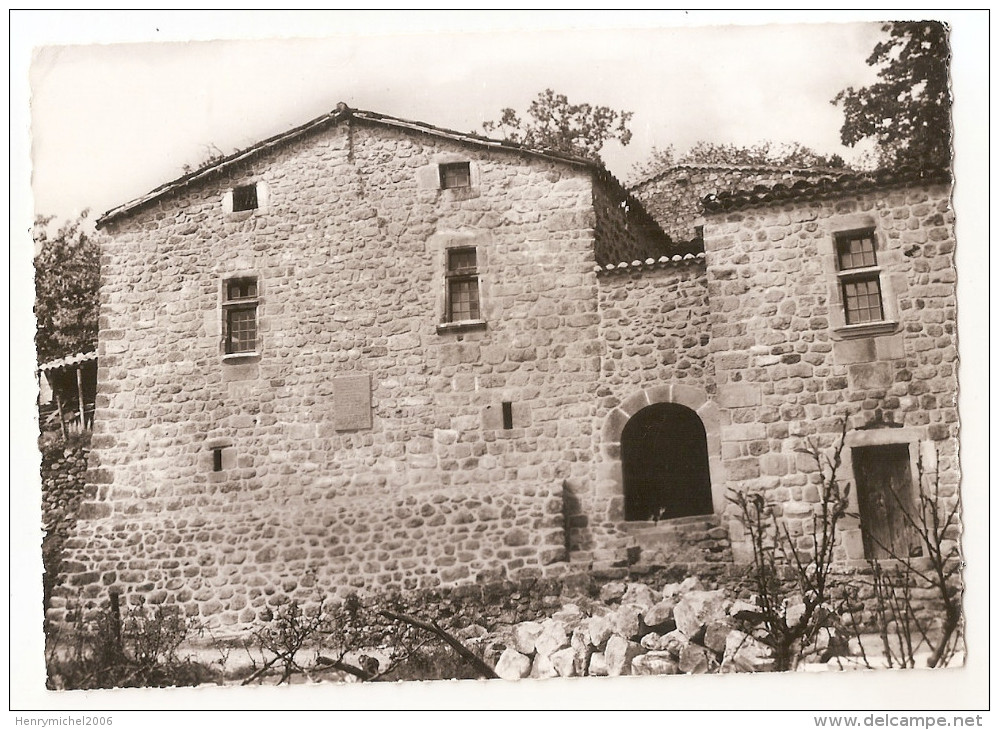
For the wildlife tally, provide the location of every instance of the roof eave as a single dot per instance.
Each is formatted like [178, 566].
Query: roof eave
[217, 165]
[807, 192]
[341, 113]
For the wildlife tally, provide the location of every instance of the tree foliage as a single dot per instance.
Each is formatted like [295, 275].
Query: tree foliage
[552, 123]
[761, 154]
[906, 112]
[67, 282]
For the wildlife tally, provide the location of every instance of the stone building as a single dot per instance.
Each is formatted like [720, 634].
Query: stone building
[371, 353]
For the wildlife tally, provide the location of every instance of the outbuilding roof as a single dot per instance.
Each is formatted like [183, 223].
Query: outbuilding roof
[748, 169]
[76, 359]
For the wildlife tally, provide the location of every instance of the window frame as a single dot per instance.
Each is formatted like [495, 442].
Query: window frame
[446, 168]
[232, 305]
[852, 274]
[461, 275]
[853, 268]
[866, 277]
[458, 275]
[240, 195]
[261, 195]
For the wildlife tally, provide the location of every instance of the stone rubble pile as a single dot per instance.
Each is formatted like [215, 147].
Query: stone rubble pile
[632, 630]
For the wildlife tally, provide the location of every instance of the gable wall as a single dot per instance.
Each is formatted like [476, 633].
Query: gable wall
[350, 258]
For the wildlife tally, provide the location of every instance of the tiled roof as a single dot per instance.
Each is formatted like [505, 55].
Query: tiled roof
[749, 169]
[342, 113]
[62, 362]
[804, 190]
[650, 263]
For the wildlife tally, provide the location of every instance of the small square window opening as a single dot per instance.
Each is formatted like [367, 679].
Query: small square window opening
[244, 197]
[455, 175]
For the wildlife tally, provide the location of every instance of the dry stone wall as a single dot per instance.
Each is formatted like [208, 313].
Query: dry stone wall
[348, 248]
[788, 370]
[63, 469]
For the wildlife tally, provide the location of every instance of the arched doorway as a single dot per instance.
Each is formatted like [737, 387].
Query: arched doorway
[664, 455]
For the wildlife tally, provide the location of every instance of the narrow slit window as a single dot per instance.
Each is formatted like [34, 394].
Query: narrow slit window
[507, 415]
[244, 197]
[240, 316]
[217, 459]
[455, 175]
[462, 286]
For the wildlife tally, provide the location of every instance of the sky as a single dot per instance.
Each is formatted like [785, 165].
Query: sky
[110, 122]
[106, 106]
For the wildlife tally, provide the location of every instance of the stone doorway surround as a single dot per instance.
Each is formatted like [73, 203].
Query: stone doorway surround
[610, 474]
[922, 469]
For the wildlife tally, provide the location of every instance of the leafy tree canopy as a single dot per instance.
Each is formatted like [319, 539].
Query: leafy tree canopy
[906, 112]
[762, 154]
[552, 123]
[67, 281]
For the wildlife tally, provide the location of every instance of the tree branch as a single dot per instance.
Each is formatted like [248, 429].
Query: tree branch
[433, 628]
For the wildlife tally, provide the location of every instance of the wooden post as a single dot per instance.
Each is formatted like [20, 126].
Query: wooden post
[62, 418]
[79, 391]
[116, 620]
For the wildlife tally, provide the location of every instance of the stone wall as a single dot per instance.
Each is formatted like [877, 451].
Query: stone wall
[789, 370]
[654, 322]
[368, 443]
[235, 566]
[673, 197]
[63, 467]
[624, 230]
[348, 247]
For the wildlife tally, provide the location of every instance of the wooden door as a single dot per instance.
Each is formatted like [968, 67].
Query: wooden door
[884, 495]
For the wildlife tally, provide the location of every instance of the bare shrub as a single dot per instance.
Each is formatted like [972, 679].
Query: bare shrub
[936, 564]
[792, 584]
[105, 649]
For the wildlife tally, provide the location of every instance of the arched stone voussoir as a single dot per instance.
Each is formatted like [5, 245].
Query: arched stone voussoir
[711, 418]
[614, 426]
[697, 400]
[659, 394]
[635, 402]
[689, 396]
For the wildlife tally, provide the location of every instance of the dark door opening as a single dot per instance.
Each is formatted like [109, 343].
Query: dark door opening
[884, 495]
[664, 455]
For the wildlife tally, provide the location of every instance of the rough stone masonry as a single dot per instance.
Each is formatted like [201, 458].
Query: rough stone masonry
[387, 429]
